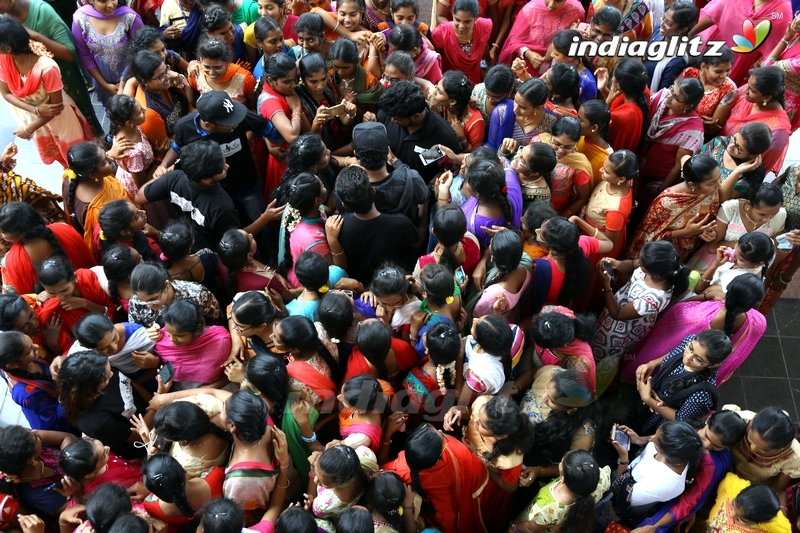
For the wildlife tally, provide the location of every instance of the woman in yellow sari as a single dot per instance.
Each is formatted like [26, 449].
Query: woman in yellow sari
[745, 508]
[595, 117]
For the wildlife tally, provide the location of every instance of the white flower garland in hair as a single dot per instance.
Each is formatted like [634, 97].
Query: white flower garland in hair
[440, 375]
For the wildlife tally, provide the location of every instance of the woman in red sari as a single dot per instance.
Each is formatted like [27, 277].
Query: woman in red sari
[463, 40]
[34, 242]
[627, 97]
[378, 353]
[675, 131]
[448, 476]
[71, 294]
[279, 104]
[761, 100]
[22, 314]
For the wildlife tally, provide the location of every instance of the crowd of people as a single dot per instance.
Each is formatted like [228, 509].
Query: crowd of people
[336, 269]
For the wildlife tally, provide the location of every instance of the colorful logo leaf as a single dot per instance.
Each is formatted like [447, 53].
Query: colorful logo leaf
[752, 36]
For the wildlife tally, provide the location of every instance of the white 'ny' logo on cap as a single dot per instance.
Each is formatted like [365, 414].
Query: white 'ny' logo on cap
[228, 105]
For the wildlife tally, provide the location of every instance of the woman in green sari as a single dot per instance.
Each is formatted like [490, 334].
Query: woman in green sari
[44, 25]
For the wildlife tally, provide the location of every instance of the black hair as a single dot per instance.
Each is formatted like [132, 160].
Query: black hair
[499, 79]
[626, 164]
[693, 90]
[400, 4]
[698, 168]
[144, 38]
[55, 270]
[402, 61]
[310, 23]
[569, 126]
[248, 413]
[83, 159]
[344, 50]
[296, 519]
[386, 494]
[494, 335]
[176, 240]
[10, 308]
[598, 114]
[299, 333]
[769, 81]
[757, 503]
[449, 226]
[185, 421]
[277, 66]
[78, 379]
[341, 464]
[78, 459]
[721, 56]
[608, 16]
[117, 263]
[744, 292]
[504, 418]
[19, 218]
[728, 426]
[184, 315]
[404, 38]
[129, 523]
[213, 48]
[444, 344]
[542, 159]
[631, 76]
[679, 442]
[685, 15]
[254, 308]
[355, 520]
[354, 189]
[534, 91]
[149, 278]
[484, 152]
[506, 255]
[163, 475]
[13, 35]
[144, 65]
[766, 195]
[374, 339]
[718, 347]
[233, 251]
[403, 99]
[116, 217]
[423, 450]
[312, 272]
[757, 137]
[266, 25]
[202, 159]
[268, 374]
[215, 17]
[471, 6]
[562, 237]
[120, 110]
[12, 349]
[775, 427]
[459, 88]
[487, 178]
[581, 475]
[302, 154]
[300, 193]
[563, 40]
[389, 279]
[105, 505]
[335, 314]
[436, 281]
[756, 247]
[566, 83]
[661, 259]
[363, 392]
[556, 330]
[92, 328]
[17, 447]
[222, 515]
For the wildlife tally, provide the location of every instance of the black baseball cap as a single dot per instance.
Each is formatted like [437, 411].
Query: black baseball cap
[217, 107]
[370, 136]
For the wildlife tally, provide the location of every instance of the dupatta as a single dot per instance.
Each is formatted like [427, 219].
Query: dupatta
[200, 360]
[112, 190]
[90, 288]
[576, 159]
[322, 385]
[684, 131]
[368, 90]
[298, 449]
[535, 26]
[20, 86]
[426, 60]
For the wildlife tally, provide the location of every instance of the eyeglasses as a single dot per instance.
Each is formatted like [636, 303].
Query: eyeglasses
[495, 98]
[558, 146]
[673, 93]
[389, 80]
[520, 161]
[696, 359]
[391, 306]
[667, 23]
[735, 147]
[240, 328]
[162, 78]
[157, 301]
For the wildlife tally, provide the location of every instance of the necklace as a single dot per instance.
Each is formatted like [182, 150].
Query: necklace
[755, 226]
[247, 450]
[197, 445]
[560, 489]
[379, 10]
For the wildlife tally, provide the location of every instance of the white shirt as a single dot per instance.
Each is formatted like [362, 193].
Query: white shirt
[655, 481]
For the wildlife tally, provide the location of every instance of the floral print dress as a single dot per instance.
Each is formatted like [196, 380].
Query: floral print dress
[138, 159]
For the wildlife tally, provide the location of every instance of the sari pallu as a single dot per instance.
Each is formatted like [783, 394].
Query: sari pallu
[250, 484]
[563, 180]
[597, 157]
[319, 383]
[368, 90]
[428, 64]
[90, 289]
[668, 212]
[777, 120]
[65, 339]
[298, 448]
[200, 360]
[333, 131]
[791, 93]
[112, 190]
[19, 272]
[690, 318]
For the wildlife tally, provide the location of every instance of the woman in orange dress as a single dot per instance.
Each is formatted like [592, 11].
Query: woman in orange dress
[594, 116]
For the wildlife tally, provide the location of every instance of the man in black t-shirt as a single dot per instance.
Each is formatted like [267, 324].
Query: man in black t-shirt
[368, 237]
[195, 192]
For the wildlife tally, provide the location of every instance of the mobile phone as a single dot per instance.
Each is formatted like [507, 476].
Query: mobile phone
[783, 242]
[608, 269]
[166, 372]
[621, 437]
[335, 111]
[461, 276]
[431, 154]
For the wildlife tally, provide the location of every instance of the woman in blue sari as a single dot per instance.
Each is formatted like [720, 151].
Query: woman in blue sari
[187, 40]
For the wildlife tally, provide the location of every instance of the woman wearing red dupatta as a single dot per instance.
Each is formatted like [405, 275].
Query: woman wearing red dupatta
[449, 477]
[85, 290]
[27, 313]
[22, 225]
[761, 100]
[463, 42]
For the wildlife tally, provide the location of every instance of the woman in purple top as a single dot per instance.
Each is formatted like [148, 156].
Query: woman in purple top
[103, 31]
[489, 203]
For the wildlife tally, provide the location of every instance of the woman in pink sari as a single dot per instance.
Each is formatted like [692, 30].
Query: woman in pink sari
[761, 100]
[786, 56]
[736, 316]
[722, 20]
[195, 351]
[534, 27]
[675, 131]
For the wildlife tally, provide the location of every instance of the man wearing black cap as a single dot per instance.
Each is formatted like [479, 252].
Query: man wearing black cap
[398, 188]
[220, 119]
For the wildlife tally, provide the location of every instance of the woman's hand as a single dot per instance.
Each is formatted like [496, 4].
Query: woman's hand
[112, 88]
[500, 304]
[602, 78]
[163, 388]
[508, 146]
[154, 333]
[722, 256]
[69, 487]
[73, 302]
[70, 516]
[793, 28]
[645, 388]
[605, 279]
[645, 371]
[520, 69]
[709, 235]
[478, 275]
[235, 372]
[321, 117]
[621, 451]
[144, 359]
[294, 104]
[52, 330]
[119, 146]
[333, 227]
[300, 411]
[458, 127]
[31, 523]
[444, 181]
[635, 438]
[140, 427]
[193, 70]
[50, 110]
[418, 319]
[453, 417]
[350, 108]
[138, 492]
[449, 154]
[529, 475]
[9, 153]
[749, 166]
[394, 422]
[793, 237]
[279, 446]
[172, 32]
[369, 298]
[55, 366]
[22, 133]
[699, 224]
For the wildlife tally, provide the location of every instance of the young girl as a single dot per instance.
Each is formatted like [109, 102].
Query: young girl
[102, 35]
[427, 383]
[564, 84]
[197, 352]
[719, 89]
[310, 30]
[93, 465]
[389, 299]
[352, 80]
[533, 165]
[403, 12]
[464, 39]
[339, 479]
[268, 36]
[611, 202]
[442, 301]
[88, 185]
[595, 117]
[217, 25]
[316, 278]
[31, 83]
[122, 222]
[360, 421]
[507, 279]
[487, 358]
[218, 73]
[245, 273]
[277, 11]
[742, 507]
[750, 255]
[427, 61]
[456, 247]
[452, 96]
[32, 387]
[114, 274]
[124, 344]
[562, 41]
[316, 94]
[380, 354]
[152, 40]
[137, 164]
[566, 504]
[392, 504]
